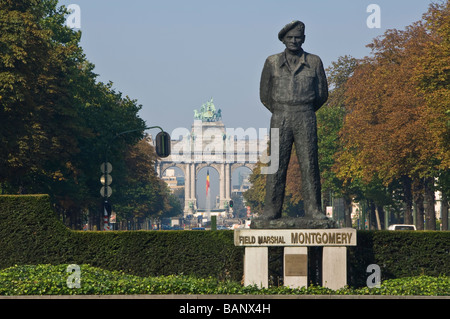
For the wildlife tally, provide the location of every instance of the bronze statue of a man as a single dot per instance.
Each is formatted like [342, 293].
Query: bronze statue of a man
[293, 87]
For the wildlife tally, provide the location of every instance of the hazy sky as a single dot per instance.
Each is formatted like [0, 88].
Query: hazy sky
[173, 56]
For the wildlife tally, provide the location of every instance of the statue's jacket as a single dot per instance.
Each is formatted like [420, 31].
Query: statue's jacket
[302, 87]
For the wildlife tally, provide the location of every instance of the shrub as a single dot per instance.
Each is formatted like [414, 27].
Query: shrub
[51, 280]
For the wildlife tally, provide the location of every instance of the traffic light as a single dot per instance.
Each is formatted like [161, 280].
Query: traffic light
[163, 144]
[231, 203]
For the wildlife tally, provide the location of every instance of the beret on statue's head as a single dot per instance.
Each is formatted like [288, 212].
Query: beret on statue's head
[294, 24]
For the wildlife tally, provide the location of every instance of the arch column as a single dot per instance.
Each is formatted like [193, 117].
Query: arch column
[158, 169]
[187, 187]
[190, 195]
[227, 182]
[193, 180]
[222, 185]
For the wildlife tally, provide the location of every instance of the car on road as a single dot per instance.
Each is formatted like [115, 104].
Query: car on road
[402, 227]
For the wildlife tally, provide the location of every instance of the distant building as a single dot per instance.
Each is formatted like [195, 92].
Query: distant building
[243, 183]
[174, 182]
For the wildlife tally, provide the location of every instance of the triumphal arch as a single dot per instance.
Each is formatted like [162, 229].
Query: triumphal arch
[210, 144]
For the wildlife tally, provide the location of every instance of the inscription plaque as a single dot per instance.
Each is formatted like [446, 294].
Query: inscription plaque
[296, 265]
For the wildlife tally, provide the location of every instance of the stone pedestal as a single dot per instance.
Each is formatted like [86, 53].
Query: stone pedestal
[295, 243]
[295, 262]
[334, 267]
[256, 266]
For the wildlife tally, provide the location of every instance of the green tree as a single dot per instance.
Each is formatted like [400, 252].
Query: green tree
[140, 193]
[38, 122]
[56, 122]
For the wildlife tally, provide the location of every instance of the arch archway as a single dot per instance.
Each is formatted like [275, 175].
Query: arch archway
[209, 202]
[222, 159]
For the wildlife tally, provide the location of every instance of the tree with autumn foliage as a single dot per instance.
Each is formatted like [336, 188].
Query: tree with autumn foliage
[389, 133]
[432, 73]
[433, 76]
[330, 119]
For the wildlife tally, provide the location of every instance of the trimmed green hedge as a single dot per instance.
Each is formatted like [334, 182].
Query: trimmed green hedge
[30, 233]
[399, 254]
[155, 253]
